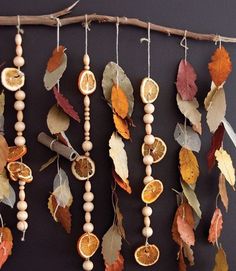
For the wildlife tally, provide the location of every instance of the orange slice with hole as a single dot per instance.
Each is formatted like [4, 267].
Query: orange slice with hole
[87, 82]
[147, 255]
[157, 150]
[83, 168]
[152, 191]
[20, 172]
[149, 90]
[87, 245]
[16, 152]
[12, 79]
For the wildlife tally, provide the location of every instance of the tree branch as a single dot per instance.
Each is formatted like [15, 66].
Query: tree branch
[50, 20]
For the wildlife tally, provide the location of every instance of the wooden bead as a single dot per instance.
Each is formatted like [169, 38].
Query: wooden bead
[87, 217]
[88, 227]
[147, 232]
[19, 133]
[147, 211]
[87, 138]
[22, 205]
[87, 146]
[148, 170]
[87, 126]
[22, 195]
[18, 39]
[88, 186]
[87, 109]
[87, 153]
[86, 133]
[88, 206]
[86, 101]
[149, 108]
[147, 221]
[22, 215]
[19, 141]
[148, 160]
[148, 118]
[88, 196]
[148, 129]
[19, 105]
[147, 179]
[20, 116]
[149, 139]
[19, 61]
[21, 226]
[20, 95]
[19, 50]
[86, 60]
[88, 265]
[87, 118]
[22, 184]
[86, 114]
[19, 126]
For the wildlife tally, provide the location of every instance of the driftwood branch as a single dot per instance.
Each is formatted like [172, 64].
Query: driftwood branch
[50, 20]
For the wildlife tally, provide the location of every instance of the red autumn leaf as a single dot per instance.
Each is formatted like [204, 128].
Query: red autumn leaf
[186, 231]
[182, 264]
[216, 142]
[186, 78]
[6, 245]
[118, 265]
[56, 59]
[123, 184]
[220, 66]
[216, 226]
[65, 105]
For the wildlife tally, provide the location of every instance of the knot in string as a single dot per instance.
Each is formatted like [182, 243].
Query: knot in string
[184, 44]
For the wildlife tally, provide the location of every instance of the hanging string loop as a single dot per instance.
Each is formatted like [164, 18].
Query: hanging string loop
[184, 44]
[148, 40]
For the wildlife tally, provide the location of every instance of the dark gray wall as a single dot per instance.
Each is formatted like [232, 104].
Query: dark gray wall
[48, 247]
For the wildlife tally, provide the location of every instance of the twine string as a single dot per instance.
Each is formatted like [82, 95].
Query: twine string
[117, 49]
[184, 44]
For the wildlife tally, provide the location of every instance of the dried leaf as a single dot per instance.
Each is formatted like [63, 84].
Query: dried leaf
[225, 165]
[230, 131]
[63, 139]
[65, 105]
[118, 265]
[121, 126]
[216, 110]
[192, 198]
[187, 138]
[119, 156]
[4, 185]
[223, 191]
[119, 101]
[109, 79]
[10, 200]
[57, 120]
[182, 264]
[111, 245]
[216, 142]
[2, 103]
[216, 226]
[123, 184]
[188, 253]
[1, 124]
[189, 168]
[48, 163]
[119, 221]
[186, 78]
[220, 66]
[6, 245]
[221, 261]
[186, 231]
[3, 152]
[210, 95]
[55, 60]
[189, 110]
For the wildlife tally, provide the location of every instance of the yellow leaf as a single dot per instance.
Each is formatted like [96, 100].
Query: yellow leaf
[221, 261]
[188, 166]
[119, 101]
[225, 165]
[121, 126]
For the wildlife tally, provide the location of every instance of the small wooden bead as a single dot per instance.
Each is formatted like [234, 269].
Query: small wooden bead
[149, 108]
[88, 196]
[19, 133]
[148, 129]
[86, 60]
[21, 187]
[20, 116]
[88, 227]
[18, 39]
[22, 205]
[148, 170]
[20, 95]
[86, 133]
[147, 221]
[86, 101]
[147, 179]
[87, 118]
[87, 217]
[87, 109]
[87, 126]
[19, 50]
[19, 61]
[88, 186]
[149, 139]
[19, 126]
[19, 141]
[148, 118]
[147, 211]
[87, 153]
[88, 265]
[19, 105]
[147, 232]
[87, 138]
[22, 215]
[88, 206]
[87, 146]
[148, 160]
[22, 184]
[22, 195]
[86, 114]
[21, 226]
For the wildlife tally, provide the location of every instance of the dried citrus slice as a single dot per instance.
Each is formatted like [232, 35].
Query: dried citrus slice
[157, 150]
[86, 82]
[83, 168]
[152, 191]
[149, 90]
[147, 255]
[12, 79]
[16, 152]
[20, 172]
[87, 245]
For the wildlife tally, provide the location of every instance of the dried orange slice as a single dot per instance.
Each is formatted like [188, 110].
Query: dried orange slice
[152, 191]
[83, 168]
[16, 152]
[147, 255]
[149, 90]
[157, 150]
[87, 245]
[12, 79]
[20, 172]
[87, 82]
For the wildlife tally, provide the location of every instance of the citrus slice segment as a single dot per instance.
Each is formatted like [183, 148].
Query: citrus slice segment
[149, 90]
[87, 82]
[152, 191]
[20, 172]
[147, 255]
[83, 168]
[87, 245]
[16, 152]
[157, 150]
[12, 79]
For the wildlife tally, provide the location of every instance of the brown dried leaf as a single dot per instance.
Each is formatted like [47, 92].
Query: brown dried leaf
[221, 261]
[3, 152]
[119, 101]
[124, 184]
[182, 264]
[223, 191]
[216, 226]
[6, 245]
[188, 253]
[121, 126]
[118, 265]
[119, 221]
[186, 231]
[55, 60]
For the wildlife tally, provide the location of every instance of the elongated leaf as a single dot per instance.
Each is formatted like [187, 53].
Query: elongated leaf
[10, 200]
[118, 265]
[188, 253]
[4, 185]
[2, 103]
[122, 126]
[185, 231]
[230, 131]
[186, 78]
[6, 245]
[123, 184]
[111, 245]
[119, 101]
[3, 152]
[56, 59]
[187, 138]
[216, 226]
[223, 191]
[221, 261]
[210, 95]
[1, 125]
[182, 264]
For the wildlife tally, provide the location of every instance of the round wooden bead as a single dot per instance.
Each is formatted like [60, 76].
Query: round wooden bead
[147, 211]
[20, 116]
[19, 133]
[88, 227]
[148, 118]
[20, 95]
[22, 205]
[22, 215]
[149, 139]
[19, 50]
[88, 186]
[148, 170]
[87, 109]
[18, 39]
[147, 232]
[87, 126]
[86, 114]
[19, 105]
[87, 154]
[88, 206]
[149, 108]
[87, 217]
[147, 221]
[87, 138]
[147, 179]
[19, 141]
[86, 101]
[19, 126]
[87, 146]
[148, 129]
[22, 184]
[88, 196]
[21, 226]
[87, 118]
[19, 61]
[88, 265]
[147, 159]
